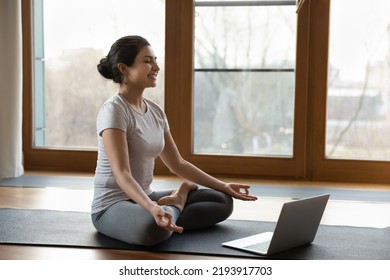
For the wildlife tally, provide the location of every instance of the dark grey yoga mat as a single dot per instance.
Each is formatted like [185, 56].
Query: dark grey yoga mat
[74, 229]
[86, 183]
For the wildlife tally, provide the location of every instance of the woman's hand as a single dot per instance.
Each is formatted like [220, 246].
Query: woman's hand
[239, 191]
[164, 219]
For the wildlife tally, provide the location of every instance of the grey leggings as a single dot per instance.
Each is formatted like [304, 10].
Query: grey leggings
[130, 223]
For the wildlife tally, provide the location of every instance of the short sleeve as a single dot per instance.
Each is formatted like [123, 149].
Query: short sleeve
[112, 115]
[166, 123]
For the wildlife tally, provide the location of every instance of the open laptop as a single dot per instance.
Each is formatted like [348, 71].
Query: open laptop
[297, 225]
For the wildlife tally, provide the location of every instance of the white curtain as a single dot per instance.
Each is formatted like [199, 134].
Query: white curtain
[11, 155]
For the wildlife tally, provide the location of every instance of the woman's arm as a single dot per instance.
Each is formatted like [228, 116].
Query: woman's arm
[115, 145]
[182, 168]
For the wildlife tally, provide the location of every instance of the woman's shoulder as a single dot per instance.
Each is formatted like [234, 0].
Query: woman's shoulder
[114, 114]
[114, 107]
[115, 99]
[154, 106]
[114, 103]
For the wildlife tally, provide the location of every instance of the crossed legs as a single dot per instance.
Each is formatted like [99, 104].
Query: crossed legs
[190, 207]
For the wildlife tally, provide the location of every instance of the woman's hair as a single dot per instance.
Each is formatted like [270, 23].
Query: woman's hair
[124, 50]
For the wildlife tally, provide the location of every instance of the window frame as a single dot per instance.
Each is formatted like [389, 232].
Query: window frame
[308, 161]
[224, 165]
[322, 168]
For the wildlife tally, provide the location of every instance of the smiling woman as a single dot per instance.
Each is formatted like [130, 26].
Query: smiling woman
[132, 132]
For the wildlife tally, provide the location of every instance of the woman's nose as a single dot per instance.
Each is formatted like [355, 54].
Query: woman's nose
[156, 67]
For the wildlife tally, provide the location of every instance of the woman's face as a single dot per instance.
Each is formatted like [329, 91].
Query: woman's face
[143, 73]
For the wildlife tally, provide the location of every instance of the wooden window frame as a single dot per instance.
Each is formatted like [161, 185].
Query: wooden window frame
[308, 161]
[181, 104]
[38, 158]
[322, 168]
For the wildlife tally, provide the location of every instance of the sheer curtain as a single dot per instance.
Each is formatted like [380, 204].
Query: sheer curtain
[11, 155]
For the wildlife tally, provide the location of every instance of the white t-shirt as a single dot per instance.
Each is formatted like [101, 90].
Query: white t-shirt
[145, 140]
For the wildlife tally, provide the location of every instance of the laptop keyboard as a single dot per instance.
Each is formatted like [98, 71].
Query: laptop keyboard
[261, 247]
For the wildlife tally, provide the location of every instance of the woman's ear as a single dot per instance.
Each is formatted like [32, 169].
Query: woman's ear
[122, 68]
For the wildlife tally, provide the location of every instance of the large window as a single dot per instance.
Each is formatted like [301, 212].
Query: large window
[244, 78]
[70, 37]
[358, 106]
[250, 88]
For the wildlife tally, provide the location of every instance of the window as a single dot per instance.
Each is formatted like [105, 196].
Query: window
[358, 105]
[345, 110]
[244, 62]
[70, 37]
[313, 87]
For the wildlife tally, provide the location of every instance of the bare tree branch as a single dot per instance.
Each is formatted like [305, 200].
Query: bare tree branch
[356, 113]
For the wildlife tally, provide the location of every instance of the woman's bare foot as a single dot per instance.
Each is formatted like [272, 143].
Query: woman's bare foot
[178, 197]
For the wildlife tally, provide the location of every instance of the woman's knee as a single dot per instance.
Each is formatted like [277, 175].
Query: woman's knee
[228, 200]
[206, 207]
[133, 227]
[156, 237]
[224, 199]
[150, 234]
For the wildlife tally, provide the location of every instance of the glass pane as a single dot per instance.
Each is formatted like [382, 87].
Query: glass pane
[77, 34]
[358, 106]
[244, 80]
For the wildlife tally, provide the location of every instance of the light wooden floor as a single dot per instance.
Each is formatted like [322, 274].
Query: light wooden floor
[352, 213]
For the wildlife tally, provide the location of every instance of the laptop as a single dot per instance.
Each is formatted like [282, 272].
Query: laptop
[297, 225]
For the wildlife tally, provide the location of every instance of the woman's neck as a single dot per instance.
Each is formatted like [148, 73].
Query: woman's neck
[134, 97]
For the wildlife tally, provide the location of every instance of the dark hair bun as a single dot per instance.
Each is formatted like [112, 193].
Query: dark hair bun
[105, 69]
[124, 50]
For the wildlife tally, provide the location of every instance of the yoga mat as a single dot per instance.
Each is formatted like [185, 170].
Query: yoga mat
[264, 190]
[74, 229]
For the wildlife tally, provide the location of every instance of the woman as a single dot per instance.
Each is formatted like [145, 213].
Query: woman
[132, 132]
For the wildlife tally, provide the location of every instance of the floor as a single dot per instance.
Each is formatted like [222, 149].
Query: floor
[339, 211]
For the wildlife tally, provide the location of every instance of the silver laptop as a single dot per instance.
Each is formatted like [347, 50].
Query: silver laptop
[297, 225]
